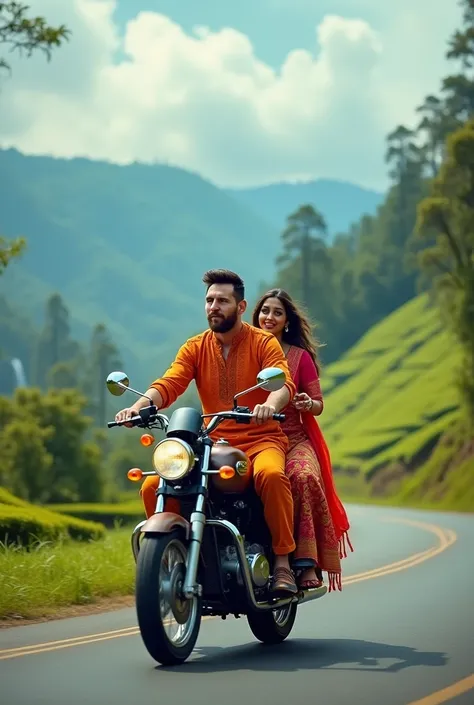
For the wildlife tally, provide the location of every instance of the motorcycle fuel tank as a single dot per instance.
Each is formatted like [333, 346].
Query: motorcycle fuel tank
[224, 454]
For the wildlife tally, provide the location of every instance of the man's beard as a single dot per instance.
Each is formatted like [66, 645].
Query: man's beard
[222, 324]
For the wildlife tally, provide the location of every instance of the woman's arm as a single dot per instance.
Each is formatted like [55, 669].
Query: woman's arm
[310, 398]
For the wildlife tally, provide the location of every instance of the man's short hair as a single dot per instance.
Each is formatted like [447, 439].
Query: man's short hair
[225, 276]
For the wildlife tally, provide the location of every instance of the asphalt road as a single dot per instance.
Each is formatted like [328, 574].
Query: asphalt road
[400, 633]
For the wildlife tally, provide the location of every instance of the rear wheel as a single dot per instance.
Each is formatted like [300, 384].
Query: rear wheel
[274, 626]
[169, 623]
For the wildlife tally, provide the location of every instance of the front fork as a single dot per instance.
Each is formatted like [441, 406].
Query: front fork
[191, 588]
[198, 522]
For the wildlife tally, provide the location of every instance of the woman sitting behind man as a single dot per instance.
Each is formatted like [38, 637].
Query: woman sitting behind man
[320, 521]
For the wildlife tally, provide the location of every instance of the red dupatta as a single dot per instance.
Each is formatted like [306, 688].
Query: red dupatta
[306, 378]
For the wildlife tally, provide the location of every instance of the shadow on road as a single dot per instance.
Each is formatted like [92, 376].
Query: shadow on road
[301, 654]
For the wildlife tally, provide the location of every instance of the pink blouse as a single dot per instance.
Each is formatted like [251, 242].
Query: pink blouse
[305, 376]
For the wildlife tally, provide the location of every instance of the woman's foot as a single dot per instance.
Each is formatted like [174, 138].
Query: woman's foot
[308, 580]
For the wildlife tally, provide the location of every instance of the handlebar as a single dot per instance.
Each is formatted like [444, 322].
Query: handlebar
[146, 416]
[226, 415]
[149, 414]
[239, 416]
[135, 420]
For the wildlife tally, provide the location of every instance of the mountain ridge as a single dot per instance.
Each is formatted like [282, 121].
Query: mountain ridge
[342, 203]
[127, 246]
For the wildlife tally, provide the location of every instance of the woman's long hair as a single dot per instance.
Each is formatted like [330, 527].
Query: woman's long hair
[299, 329]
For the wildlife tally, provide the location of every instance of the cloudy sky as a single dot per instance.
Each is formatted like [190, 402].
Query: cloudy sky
[244, 93]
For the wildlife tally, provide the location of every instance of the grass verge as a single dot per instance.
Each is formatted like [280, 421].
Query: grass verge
[49, 576]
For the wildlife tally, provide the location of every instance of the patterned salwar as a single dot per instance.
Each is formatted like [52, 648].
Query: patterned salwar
[320, 521]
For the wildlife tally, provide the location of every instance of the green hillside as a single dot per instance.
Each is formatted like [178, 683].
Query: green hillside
[392, 394]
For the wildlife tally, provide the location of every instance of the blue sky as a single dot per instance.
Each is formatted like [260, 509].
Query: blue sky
[243, 93]
[275, 27]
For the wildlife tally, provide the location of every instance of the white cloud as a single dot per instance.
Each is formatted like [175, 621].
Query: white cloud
[205, 101]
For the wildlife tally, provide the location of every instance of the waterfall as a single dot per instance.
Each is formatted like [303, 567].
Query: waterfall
[19, 372]
[12, 376]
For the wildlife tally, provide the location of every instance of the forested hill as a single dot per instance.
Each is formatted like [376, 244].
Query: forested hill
[127, 246]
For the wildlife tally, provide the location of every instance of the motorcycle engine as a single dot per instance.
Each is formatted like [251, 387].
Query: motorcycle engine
[258, 564]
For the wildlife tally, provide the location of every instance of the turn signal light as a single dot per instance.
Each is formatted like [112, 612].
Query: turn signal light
[135, 474]
[147, 439]
[226, 472]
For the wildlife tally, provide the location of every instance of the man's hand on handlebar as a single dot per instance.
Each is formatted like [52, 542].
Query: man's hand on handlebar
[263, 413]
[131, 417]
[126, 414]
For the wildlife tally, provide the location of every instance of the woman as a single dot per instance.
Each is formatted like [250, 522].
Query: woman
[321, 522]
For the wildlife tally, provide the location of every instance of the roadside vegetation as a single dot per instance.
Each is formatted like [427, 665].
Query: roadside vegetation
[55, 574]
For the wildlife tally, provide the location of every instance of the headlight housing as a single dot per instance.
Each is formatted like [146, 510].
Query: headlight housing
[173, 459]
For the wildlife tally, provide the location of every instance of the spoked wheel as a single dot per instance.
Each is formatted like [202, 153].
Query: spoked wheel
[274, 626]
[169, 623]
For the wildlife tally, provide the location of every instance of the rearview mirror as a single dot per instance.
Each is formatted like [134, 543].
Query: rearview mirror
[117, 383]
[271, 379]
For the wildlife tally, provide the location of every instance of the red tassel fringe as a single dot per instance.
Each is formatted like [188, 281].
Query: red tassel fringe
[335, 579]
[335, 582]
[342, 545]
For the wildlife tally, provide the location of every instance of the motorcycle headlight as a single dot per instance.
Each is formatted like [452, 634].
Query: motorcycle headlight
[173, 459]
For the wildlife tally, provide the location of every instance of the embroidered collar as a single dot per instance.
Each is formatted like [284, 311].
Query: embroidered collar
[241, 335]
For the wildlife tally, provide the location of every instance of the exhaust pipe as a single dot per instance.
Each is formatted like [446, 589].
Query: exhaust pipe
[299, 598]
[310, 595]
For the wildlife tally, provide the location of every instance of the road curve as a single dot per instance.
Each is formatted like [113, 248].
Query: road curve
[400, 633]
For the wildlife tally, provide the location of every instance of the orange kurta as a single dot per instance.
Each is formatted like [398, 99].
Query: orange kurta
[217, 381]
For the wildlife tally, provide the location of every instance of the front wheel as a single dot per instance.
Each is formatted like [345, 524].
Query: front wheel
[169, 623]
[274, 626]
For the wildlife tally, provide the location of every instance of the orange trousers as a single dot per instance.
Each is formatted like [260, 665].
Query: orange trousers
[271, 485]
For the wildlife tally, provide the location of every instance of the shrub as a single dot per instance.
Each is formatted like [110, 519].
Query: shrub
[108, 514]
[23, 523]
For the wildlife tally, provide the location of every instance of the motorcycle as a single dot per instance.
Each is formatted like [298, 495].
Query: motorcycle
[214, 557]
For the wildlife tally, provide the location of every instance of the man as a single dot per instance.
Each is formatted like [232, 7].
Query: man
[224, 360]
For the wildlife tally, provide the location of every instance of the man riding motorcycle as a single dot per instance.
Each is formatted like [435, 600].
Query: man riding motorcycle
[222, 360]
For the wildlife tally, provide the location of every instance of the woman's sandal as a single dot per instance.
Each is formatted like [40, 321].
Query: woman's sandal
[310, 584]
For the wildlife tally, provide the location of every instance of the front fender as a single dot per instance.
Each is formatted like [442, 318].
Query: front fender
[165, 523]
